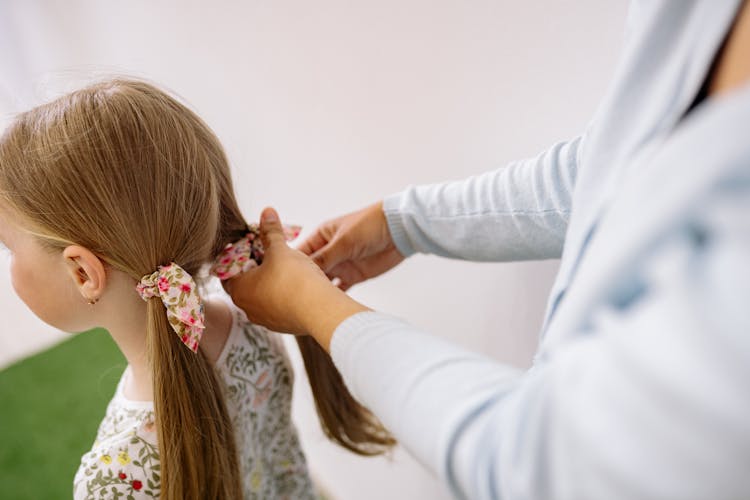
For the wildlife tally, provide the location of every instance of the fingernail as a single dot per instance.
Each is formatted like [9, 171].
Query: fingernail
[270, 215]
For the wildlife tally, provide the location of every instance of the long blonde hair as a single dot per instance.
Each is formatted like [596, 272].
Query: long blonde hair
[130, 173]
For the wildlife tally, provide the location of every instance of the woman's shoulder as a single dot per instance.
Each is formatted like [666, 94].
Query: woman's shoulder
[124, 459]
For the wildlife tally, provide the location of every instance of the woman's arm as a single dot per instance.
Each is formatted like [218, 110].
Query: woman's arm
[650, 403]
[518, 212]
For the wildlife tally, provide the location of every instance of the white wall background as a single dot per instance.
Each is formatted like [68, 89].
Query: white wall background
[326, 106]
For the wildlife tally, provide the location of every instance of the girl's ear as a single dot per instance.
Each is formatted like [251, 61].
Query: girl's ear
[87, 272]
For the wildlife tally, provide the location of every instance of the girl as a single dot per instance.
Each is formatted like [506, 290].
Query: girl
[114, 202]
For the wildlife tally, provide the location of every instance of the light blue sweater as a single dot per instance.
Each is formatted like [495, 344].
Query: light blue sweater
[641, 385]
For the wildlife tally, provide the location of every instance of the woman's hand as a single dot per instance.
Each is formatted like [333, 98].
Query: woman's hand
[354, 247]
[288, 292]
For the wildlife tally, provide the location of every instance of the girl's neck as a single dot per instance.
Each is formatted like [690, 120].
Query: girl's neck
[130, 337]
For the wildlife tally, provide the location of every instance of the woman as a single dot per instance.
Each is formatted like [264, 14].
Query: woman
[639, 388]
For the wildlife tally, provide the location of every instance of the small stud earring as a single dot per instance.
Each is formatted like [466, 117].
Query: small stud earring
[93, 301]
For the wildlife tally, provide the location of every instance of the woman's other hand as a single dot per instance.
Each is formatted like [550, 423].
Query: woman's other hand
[288, 292]
[354, 247]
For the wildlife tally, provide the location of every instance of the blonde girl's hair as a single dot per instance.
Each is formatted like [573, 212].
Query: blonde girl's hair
[130, 173]
[127, 172]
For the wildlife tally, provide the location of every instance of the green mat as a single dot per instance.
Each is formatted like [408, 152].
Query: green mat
[50, 407]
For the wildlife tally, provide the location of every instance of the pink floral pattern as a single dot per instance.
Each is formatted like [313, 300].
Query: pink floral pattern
[178, 292]
[246, 253]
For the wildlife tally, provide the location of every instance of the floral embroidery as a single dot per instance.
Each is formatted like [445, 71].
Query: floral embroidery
[258, 372]
[255, 480]
[123, 458]
[178, 292]
[246, 253]
[127, 476]
[257, 380]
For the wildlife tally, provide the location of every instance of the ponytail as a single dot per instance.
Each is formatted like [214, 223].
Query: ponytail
[343, 419]
[195, 434]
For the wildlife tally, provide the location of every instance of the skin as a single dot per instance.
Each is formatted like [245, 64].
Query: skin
[733, 64]
[353, 248]
[58, 285]
[292, 291]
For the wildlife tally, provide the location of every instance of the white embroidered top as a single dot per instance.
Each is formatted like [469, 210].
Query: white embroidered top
[124, 460]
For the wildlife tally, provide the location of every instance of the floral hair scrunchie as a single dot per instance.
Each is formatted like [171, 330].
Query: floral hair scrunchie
[246, 253]
[178, 292]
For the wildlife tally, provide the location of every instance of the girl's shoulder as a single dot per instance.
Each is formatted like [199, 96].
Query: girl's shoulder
[248, 341]
[244, 335]
[124, 458]
[258, 379]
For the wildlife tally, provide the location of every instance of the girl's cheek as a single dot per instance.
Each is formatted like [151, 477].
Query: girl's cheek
[19, 278]
[39, 281]
[16, 279]
[31, 290]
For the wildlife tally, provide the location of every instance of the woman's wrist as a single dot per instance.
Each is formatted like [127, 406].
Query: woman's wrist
[330, 307]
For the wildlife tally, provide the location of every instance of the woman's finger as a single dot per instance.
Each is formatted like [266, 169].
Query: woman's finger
[330, 255]
[271, 232]
[347, 273]
[313, 243]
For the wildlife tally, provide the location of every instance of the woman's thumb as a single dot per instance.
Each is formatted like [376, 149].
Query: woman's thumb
[270, 228]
